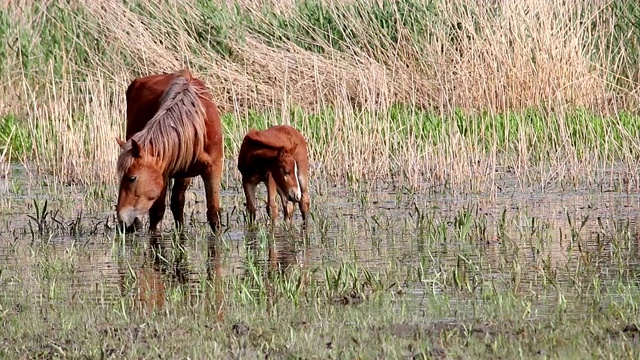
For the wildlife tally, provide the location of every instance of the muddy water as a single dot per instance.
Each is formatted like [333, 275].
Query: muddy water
[521, 238]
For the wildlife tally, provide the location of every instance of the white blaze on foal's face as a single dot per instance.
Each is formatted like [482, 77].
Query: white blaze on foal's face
[287, 177]
[298, 194]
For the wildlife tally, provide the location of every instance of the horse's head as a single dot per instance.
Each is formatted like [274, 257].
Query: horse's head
[141, 182]
[286, 175]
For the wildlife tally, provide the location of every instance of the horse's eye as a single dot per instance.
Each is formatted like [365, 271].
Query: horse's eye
[132, 178]
[286, 171]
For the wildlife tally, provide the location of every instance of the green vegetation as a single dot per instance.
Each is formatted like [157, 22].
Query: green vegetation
[13, 138]
[462, 129]
[386, 326]
[431, 282]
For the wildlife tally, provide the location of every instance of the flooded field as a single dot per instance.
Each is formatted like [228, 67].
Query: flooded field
[517, 272]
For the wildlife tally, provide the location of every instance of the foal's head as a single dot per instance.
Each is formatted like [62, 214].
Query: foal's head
[286, 175]
[141, 182]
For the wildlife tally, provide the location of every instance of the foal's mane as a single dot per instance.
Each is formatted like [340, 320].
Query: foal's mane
[176, 134]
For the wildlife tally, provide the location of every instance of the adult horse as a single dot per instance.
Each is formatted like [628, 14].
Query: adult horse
[278, 157]
[173, 131]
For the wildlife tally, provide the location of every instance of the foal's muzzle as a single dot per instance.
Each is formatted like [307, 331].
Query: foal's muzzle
[294, 195]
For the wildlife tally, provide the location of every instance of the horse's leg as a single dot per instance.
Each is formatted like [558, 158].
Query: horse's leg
[250, 196]
[212, 180]
[137, 225]
[156, 212]
[180, 186]
[272, 207]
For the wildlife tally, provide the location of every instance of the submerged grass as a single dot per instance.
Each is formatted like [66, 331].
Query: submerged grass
[361, 282]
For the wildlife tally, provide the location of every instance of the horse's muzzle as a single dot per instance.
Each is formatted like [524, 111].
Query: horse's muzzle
[128, 221]
[134, 226]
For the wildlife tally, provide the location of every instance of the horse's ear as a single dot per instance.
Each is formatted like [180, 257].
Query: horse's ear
[121, 142]
[135, 148]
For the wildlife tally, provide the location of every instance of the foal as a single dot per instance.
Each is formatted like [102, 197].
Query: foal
[278, 157]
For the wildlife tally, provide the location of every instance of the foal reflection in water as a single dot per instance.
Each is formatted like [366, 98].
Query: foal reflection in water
[278, 157]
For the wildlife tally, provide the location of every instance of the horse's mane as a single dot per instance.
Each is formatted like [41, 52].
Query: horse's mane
[176, 133]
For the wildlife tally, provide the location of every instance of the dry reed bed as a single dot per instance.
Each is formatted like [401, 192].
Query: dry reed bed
[473, 55]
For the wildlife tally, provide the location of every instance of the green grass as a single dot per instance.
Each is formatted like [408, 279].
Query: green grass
[13, 137]
[383, 327]
[610, 139]
[67, 31]
[373, 85]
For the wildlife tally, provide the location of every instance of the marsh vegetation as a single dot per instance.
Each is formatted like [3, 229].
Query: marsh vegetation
[474, 170]
[425, 92]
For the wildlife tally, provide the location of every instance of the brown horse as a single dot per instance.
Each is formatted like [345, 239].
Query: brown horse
[173, 131]
[278, 157]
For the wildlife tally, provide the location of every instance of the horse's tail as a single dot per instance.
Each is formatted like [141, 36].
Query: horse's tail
[181, 86]
[185, 73]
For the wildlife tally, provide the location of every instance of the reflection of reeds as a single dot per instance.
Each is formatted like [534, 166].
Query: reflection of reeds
[374, 85]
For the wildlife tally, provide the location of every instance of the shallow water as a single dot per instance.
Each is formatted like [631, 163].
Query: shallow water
[470, 243]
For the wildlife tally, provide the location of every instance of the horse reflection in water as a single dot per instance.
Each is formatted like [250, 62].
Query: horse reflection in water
[216, 277]
[151, 288]
[165, 269]
[286, 249]
[155, 274]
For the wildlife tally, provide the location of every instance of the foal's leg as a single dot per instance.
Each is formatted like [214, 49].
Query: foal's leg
[305, 202]
[180, 186]
[287, 206]
[250, 196]
[212, 179]
[304, 205]
[156, 212]
[272, 190]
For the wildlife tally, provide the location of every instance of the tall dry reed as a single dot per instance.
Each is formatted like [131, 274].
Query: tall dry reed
[358, 58]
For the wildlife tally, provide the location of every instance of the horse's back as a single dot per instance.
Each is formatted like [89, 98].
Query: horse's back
[143, 100]
[144, 94]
